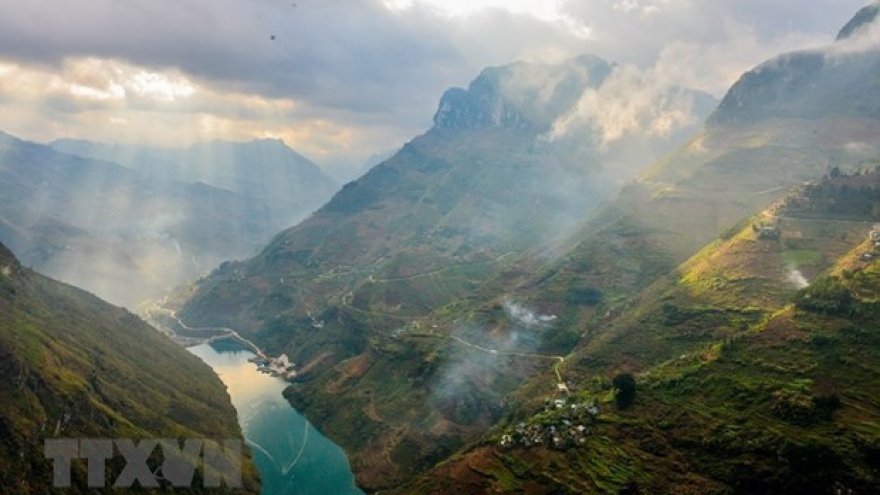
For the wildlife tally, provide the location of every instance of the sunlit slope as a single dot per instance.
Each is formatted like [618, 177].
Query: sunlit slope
[74, 366]
[745, 384]
[706, 190]
[733, 168]
[637, 311]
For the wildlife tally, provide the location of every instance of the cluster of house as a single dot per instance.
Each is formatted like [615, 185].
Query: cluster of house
[874, 238]
[281, 366]
[874, 235]
[766, 230]
[565, 428]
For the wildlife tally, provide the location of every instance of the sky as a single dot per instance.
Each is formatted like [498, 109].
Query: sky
[341, 80]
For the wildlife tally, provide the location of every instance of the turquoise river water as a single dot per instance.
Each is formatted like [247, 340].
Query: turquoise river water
[292, 456]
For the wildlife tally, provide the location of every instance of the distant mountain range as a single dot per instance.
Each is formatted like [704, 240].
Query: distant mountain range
[128, 233]
[283, 185]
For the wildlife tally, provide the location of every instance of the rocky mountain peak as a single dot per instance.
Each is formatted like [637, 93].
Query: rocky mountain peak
[521, 95]
[809, 83]
[864, 17]
[480, 106]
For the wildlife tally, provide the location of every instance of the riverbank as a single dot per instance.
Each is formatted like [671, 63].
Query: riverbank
[169, 323]
[293, 457]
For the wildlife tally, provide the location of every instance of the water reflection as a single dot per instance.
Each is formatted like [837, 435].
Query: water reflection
[291, 455]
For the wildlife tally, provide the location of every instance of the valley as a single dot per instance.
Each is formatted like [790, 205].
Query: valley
[130, 234]
[418, 339]
[77, 367]
[721, 352]
[581, 276]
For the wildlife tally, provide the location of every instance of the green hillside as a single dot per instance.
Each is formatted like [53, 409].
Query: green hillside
[433, 300]
[366, 295]
[76, 367]
[743, 383]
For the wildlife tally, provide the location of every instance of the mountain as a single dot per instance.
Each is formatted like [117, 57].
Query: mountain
[741, 382]
[75, 367]
[281, 186]
[699, 367]
[485, 181]
[836, 81]
[807, 85]
[863, 19]
[436, 318]
[123, 234]
[520, 95]
[396, 251]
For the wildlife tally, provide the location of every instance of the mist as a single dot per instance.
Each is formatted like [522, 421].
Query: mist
[132, 233]
[631, 102]
[597, 125]
[526, 317]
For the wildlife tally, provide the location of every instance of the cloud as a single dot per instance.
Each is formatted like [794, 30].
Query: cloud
[354, 75]
[317, 48]
[866, 38]
[714, 42]
[354, 68]
[526, 317]
[629, 102]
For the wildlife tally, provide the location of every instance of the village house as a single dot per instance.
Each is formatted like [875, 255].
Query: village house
[280, 366]
[874, 235]
[766, 231]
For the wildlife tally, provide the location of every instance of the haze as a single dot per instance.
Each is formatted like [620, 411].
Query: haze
[340, 81]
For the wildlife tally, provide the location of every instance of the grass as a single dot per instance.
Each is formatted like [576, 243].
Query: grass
[793, 258]
[422, 245]
[80, 368]
[730, 374]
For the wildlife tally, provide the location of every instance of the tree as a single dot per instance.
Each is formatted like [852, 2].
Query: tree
[624, 390]
[825, 295]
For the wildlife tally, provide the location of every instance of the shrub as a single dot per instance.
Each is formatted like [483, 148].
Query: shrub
[587, 296]
[825, 295]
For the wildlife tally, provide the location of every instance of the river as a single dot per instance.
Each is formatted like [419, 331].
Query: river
[292, 456]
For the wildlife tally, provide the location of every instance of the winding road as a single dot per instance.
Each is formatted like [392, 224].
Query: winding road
[227, 333]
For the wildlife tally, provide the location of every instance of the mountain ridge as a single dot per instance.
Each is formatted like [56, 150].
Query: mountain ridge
[508, 97]
[427, 351]
[124, 234]
[863, 18]
[74, 366]
[266, 171]
[396, 250]
[723, 404]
